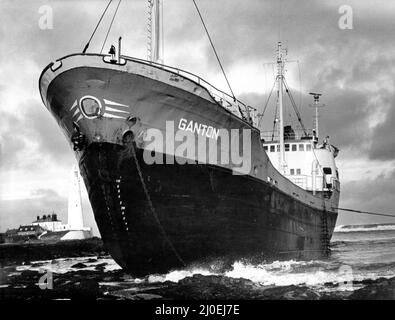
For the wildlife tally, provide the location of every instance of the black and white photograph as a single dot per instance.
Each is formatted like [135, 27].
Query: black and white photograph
[193, 150]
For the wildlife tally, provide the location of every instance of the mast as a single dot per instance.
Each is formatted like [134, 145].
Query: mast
[280, 79]
[316, 105]
[155, 31]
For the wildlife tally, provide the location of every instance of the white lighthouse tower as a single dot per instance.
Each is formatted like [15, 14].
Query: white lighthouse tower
[75, 219]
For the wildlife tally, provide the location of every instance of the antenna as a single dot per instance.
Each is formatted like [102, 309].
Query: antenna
[316, 105]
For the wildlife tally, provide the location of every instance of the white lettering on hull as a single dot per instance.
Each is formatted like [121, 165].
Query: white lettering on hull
[198, 128]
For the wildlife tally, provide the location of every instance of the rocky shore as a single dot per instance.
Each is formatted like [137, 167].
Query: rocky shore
[94, 282]
[15, 254]
[83, 270]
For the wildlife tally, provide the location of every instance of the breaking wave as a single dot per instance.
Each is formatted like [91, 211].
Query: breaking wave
[365, 228]
[280, 273]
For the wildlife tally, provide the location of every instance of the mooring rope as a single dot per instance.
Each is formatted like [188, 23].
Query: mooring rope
[367, 212]
[215, 51]
[266, 104]
[163, 231]
[109, 28]
[94, 31]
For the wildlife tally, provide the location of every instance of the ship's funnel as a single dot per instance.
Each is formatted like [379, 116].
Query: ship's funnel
[75, 218]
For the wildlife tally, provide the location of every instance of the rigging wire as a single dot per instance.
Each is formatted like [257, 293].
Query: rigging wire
[266, 104]
[94, 31]
[300, 85]
[367, 212]
[109, 28]
[215, 51]
[294, 106]
[275, 119]
[162, 32]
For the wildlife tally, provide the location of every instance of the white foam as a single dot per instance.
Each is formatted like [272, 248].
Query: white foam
[281, 273]
[178, 275]
[347, 228]
[64, 265]
[264, 275]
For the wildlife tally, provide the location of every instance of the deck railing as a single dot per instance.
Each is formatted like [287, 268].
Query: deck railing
[295, 134]
[235, 106]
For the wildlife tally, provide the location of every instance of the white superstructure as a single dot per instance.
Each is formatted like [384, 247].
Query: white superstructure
[296, 154]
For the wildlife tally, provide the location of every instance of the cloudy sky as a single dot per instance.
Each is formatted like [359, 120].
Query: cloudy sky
[354, 68]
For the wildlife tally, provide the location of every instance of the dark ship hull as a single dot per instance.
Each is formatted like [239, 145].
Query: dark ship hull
[157, 217]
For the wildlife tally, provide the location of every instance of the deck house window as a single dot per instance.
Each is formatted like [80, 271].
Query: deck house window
[294, 147]
[286, 147]
[272, 148]
[301, 147]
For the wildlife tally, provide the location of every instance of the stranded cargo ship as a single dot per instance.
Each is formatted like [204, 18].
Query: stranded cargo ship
[158, 210]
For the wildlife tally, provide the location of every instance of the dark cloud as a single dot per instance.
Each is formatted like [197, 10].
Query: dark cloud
[349, 130]
[383, 137]
[375, 195]
[10, 144]
[44, 129]
[34, 125]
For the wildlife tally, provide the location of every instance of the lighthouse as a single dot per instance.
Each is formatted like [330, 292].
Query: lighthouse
[75, 219]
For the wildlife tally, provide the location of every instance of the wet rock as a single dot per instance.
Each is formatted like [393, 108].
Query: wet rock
[290, 293]
[29, 273]
[209, 288]
[127, 295]
[8, 269]
[223, 288]
[91, 260]
[102, 255]
[79, 265]
[37, 264]
[41, 250]
[380, 289]
[88, 289]
[3, 276]
[101, 266]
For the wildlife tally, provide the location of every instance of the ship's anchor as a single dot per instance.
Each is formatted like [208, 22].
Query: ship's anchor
[78, 139]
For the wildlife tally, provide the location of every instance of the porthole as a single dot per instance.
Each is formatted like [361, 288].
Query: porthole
[90, 107]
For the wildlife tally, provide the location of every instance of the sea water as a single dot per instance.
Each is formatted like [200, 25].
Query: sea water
[358, 256]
